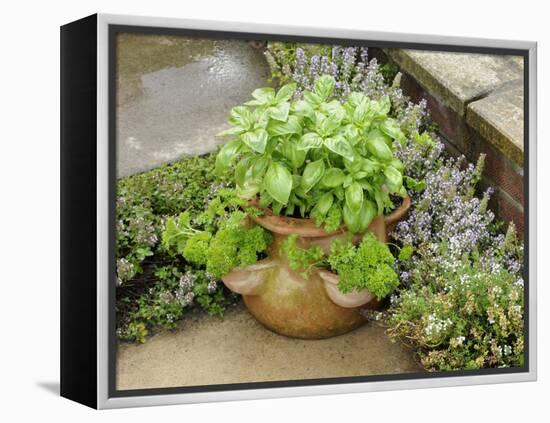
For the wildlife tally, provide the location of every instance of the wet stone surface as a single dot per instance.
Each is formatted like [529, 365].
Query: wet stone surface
[174, 95]
[237, 349]
[458, 78]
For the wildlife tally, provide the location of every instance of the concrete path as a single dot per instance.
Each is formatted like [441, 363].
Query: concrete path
[174, 95]
[208, 350]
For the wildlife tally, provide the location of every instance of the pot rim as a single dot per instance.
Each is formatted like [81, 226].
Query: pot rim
[347, 300]
[306, 227]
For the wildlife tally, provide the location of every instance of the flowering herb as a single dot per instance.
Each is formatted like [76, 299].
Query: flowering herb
[313, 157]
[146, 275]
[144, 199]
[174, 292]
[461, 299]
[464, 313]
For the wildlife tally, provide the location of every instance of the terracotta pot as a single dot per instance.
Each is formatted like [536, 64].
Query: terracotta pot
[291, 305]
[352, 299]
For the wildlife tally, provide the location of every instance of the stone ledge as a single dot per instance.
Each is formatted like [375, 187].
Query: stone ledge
[485, 91]
[499, 118]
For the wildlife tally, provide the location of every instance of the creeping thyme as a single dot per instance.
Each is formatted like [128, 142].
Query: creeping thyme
[461, 299]
[155, 289]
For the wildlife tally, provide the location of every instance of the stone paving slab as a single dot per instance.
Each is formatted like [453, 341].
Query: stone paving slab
[458, 78]
[499, 118]
[174, 94]
[236, 349]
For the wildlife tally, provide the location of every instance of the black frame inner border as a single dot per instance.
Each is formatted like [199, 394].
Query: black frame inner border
[114, 29]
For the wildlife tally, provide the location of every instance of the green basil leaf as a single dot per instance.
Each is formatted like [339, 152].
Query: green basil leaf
[256, 140]
[290, 208]
[333, 177]
[243, 171]
[354, 197]
[334, 108]
[382, 107]
[289, 149]
[397, 164]
[278, 182]
[280, 112]
[368, 213]
[260, 167]
[339, 145]
[291, 126]
[339, 193]
[322, 206]
[382, 199]
[240, 116]
[356, 98]
[234, 130]
[327, 126]
[313, 99]
[360, 113]
[369, 166]
[310, 140]
[250, 188]
[285, 92]
[265, 199]
[324, 86]
[377, 145]
[392, 129]
[352, 134]
[353, 166]
[260, 118]
[226, 155]
[263, 96]
[348, 180]
[324, 203]
[277, 207]
[351, 219]
[394, 178]
[303, 108]
[312, 174]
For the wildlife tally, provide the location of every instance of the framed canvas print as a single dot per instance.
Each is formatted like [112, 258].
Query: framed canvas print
[253, 211]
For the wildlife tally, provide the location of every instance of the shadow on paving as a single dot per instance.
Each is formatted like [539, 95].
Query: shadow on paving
[208, 350]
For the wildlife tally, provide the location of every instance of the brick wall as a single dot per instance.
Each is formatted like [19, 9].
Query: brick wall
[504, 166]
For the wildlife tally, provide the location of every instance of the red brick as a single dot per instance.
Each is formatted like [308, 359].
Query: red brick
[451, 125]
[509, 211]
[505, 174]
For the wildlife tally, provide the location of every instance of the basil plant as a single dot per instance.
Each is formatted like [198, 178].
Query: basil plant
[330, 161]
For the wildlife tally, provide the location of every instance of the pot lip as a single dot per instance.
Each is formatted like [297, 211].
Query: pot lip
[265, 263]
[329, 277]
[306, 227]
